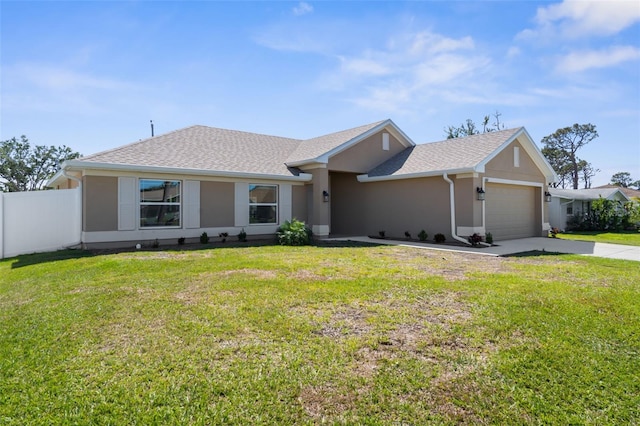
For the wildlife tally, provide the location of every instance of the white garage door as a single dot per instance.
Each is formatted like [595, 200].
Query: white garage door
[511, 211]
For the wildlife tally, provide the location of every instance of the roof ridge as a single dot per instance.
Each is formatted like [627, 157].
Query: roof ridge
[477, 135]
[374, 124]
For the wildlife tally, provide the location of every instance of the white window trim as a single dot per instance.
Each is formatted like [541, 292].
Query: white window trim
[276, 205]
[140, 203]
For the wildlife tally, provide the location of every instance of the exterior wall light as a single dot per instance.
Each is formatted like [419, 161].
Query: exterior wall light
[325, 196]
[547, 196]
[481, 193]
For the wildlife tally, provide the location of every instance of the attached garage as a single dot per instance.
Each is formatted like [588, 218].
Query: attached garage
[512, 211]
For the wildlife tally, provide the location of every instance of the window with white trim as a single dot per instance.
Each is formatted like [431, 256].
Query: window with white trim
[263, 204]
[160, 202]
[569, 210]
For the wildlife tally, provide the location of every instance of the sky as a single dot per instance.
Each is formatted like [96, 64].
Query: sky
[92, 74]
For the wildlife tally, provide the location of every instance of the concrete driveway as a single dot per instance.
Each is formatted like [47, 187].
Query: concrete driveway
[502, 248]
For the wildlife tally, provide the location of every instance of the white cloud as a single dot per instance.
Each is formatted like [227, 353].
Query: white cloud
[302, 9]
[44, 87]
[581, 61]
[576, 18]
[56, 78]
[363, 66]
[409, 68]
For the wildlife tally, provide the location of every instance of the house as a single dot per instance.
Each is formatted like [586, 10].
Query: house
[567, 203]
[629, 192]
[354, 182]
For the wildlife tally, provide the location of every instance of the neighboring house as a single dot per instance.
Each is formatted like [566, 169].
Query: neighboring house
[566, 203]
[629, 192]
[355, 182]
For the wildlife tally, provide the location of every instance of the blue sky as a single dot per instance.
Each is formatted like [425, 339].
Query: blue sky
[92, 74]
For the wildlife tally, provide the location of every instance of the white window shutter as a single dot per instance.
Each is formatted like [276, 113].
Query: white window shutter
[127, 214]
[284, 203]
[191, 204]
[241, 204]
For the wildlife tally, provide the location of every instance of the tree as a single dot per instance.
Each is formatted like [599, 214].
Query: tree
[569, 140]
[469, 128]
[588, 171]
[23, 168]
[622, 179]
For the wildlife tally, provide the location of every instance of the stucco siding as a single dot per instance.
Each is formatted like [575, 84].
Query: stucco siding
[391, 206]
[502, 166]
[365, 155]
[299, 203]
[216, 204]
[468, 208]
[100, 203]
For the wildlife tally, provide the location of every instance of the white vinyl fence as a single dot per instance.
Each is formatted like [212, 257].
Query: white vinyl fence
[39, 221]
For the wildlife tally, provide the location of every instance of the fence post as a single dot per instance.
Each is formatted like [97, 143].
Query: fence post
[1, 225]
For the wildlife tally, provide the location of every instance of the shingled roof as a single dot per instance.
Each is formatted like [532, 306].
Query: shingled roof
[449, 155]
[313, 149]
[586, 194]
[212, 149]
[206, 148]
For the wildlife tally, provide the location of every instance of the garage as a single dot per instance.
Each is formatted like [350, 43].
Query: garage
[512, 211]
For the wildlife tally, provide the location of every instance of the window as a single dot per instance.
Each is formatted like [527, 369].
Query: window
[263, 204]
[516, 156]
[159, 203]
[569, 211]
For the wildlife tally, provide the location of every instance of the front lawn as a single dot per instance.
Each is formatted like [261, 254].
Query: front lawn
[306, 335]
[629, 238]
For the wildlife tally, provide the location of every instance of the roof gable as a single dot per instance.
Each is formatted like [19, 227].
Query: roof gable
[459, 155]
[320, 149]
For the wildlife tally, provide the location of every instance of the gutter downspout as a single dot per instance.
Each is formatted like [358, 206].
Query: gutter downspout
[452, 209]
[80, 213]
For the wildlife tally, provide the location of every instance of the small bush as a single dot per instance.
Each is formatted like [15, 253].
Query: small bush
[407, 234]
[422, 235]
[488, 237]
[223, 236]
[439, 238]
[181, 241]
[294, 233]
[382, 234]
[155, 243]
[242, 236]
[204, 238]
[475, 239]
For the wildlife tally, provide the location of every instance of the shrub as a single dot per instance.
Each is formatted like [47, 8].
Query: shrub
[553, 232]
[407, 234]
[223, 236]
[294, 233]
[475, 239]
[181, 241]
[439, 238]
[155, 243]
[382, 233]
[422, 235]
[242, 236]
[488, 237]
[204, 238]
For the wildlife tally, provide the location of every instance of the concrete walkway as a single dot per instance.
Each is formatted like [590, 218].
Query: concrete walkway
[502, 248]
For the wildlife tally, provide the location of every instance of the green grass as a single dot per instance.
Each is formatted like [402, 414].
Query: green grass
[347, 335]
[629, 238]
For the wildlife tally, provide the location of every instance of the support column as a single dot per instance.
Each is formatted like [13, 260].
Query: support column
[320, 225]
